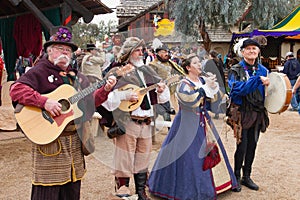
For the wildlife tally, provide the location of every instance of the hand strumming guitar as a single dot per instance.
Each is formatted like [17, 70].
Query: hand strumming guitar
[53, 107]
[131, 96]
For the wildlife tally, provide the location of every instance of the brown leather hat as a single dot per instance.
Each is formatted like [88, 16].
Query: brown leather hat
[129, 45]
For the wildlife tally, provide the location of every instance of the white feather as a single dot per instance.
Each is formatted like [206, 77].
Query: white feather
[237, 47]
[156, 43]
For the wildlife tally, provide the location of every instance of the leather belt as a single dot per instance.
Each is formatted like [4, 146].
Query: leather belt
[141, 120]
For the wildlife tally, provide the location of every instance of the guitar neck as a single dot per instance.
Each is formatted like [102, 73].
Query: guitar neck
[86, 91]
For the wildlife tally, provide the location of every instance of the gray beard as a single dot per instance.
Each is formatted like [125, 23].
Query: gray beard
[137, 63]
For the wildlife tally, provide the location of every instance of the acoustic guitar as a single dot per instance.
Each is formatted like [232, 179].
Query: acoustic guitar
[41, 127]
[141, 92]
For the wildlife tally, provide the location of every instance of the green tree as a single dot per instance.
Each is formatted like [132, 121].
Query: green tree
[85, 33]
[192, 16]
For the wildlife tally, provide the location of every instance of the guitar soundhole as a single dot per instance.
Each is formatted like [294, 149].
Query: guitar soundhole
[65, 105]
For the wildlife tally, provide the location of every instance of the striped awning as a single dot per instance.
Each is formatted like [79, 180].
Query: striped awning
[290, 22]
[289, 26]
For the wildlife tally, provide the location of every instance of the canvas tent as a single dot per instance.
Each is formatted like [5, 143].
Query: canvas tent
[289, 26]
[287, 30]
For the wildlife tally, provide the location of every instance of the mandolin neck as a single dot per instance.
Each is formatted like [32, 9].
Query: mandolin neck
[147, 89]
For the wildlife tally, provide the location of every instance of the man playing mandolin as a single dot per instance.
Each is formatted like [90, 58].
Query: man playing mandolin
[58, 166]
[132, 149]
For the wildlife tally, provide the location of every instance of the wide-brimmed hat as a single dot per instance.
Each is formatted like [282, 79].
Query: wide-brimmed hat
[90, 46]
[250, 42]
[162, 47]
[62, 36]
[129, 45]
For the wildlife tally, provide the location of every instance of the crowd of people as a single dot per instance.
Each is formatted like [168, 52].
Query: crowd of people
[192, 162]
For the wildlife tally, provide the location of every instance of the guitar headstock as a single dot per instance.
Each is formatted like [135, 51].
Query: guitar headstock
[121, 71]
[174, 79]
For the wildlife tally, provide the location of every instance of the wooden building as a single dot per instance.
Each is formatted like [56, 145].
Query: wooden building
[41, 16]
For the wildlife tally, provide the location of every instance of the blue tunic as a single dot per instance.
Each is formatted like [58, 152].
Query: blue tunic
[177, 172]
[240, 88]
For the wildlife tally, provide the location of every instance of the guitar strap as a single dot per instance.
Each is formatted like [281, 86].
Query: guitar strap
[145, 103]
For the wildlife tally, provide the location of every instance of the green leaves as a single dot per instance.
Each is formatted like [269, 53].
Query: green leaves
[86, 33]
[261, 14]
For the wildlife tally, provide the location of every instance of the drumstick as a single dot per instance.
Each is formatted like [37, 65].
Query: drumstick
[266, 87]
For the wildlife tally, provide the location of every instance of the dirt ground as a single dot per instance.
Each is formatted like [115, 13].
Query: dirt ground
[275, 169]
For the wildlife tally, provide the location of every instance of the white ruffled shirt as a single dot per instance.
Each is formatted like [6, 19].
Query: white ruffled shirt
[115, 97]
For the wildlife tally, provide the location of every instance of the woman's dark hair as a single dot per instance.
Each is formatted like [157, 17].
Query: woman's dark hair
[187, 62]
[213, 54]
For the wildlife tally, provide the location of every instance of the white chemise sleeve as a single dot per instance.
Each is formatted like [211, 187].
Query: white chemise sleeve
[114, 99]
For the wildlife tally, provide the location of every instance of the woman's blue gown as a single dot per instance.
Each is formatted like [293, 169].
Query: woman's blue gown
[177, 172]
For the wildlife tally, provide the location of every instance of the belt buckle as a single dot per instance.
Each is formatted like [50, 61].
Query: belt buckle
[147, 121]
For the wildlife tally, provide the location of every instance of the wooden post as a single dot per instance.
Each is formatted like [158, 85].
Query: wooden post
[79, 8]
[39, 15]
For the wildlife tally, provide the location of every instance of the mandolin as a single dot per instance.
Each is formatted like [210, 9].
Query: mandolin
[141, 92]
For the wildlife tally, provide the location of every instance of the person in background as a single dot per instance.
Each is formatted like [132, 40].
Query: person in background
[165, 68]
[150, 56]
[114, 62]
[292, 69]
[58, 167]
[133, 149]
[178, 172]
[92, 63]
[202, 53]
[215, 66]
[75, 55]
[22, 63]
[247, 81]
[296, 91]
[176, 56]
[106, 116]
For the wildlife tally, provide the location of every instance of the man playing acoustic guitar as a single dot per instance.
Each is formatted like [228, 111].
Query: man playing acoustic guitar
[132, 149]
[58, 166]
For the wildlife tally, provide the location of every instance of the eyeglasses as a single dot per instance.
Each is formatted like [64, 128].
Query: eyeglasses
[61, 49]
